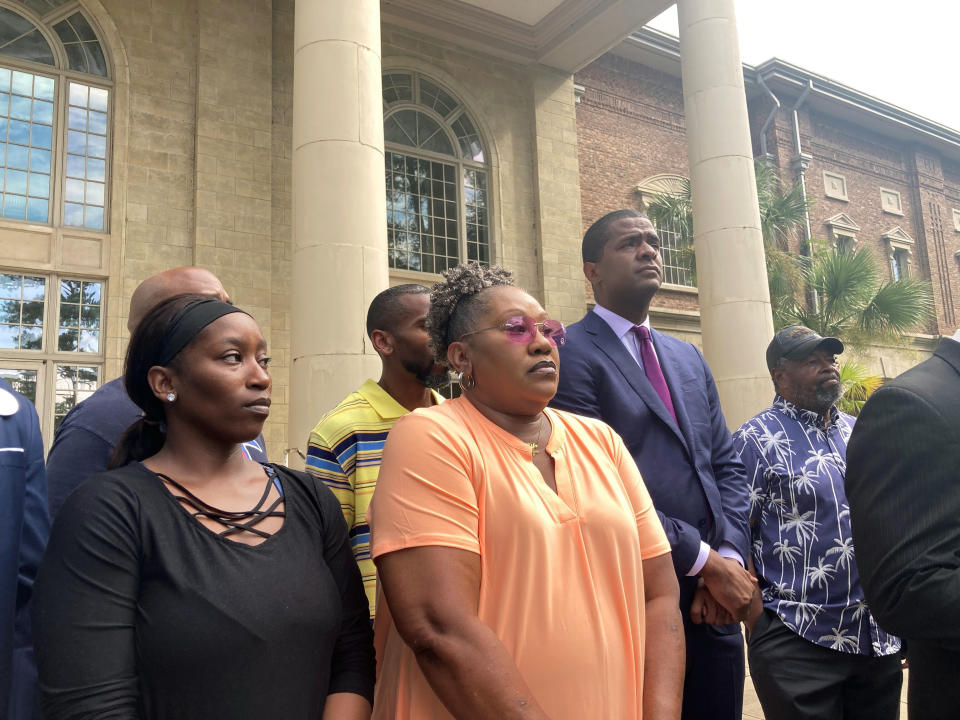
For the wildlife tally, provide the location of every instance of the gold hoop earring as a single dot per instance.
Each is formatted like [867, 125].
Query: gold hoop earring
[467, 382]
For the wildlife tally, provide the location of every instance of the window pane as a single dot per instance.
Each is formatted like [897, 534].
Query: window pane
[38, 209]
[89, 341]
[90, 317]
[20, 39]
[32, 313]
[39, 186]
[10, 286]
[69, 315]
[85, 202]
[43, 87]
[78, 94]
[73, 214]
[75, 383]
[40, 160]
[77, 118]
[21, 312]
[96, 169]
[416, 239]
[97, 146]
[91, 292]
[98, 122]
[15, 206]
[98, 99]
[23, 381]
[17, 156]
[43, 112]
[75, 166]
[10, 312]
[9, 337]
[94, 218]
[70, 291]
[74, 191]
[25, 136]
[31, 338]
[677, 255]
[34, 288]
[68, 340]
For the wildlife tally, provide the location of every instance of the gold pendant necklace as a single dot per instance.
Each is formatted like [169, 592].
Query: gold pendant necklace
[535, 446]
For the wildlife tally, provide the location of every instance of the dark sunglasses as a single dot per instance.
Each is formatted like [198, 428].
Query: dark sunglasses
[523, 329]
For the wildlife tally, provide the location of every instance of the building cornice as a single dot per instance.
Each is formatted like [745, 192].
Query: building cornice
[661, 51]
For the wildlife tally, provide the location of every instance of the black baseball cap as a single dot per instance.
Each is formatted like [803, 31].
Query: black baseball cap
[796, 342]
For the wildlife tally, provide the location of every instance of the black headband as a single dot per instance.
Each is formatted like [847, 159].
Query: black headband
[188, 323]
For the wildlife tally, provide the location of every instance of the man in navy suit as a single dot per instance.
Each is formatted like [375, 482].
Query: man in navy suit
[24, 527]
[659, 394]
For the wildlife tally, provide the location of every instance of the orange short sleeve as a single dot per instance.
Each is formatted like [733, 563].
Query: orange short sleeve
[425, 494]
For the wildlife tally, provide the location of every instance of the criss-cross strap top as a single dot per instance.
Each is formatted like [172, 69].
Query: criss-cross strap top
[239, 521]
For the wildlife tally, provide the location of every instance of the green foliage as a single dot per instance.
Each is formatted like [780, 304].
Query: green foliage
[854, 302]
[858, 384]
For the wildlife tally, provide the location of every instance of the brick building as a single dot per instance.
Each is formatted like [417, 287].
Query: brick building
[878, 176]
[254, 137]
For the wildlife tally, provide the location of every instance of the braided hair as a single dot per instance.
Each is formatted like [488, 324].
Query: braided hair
[456, 303]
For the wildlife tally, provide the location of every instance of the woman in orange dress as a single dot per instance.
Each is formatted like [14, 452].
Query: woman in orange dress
[524, 570]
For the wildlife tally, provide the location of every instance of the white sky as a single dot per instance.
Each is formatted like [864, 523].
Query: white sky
[906, 53]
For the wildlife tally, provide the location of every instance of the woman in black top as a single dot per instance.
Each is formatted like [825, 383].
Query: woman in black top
[190, 581]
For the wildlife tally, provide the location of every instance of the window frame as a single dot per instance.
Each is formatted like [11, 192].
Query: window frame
[63, 76]
[47, 359]
[460, 163]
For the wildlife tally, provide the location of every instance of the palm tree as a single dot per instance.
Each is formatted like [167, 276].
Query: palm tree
[854, 303]
[782, 213]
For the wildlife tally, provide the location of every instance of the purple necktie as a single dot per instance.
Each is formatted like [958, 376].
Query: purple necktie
[651, 366]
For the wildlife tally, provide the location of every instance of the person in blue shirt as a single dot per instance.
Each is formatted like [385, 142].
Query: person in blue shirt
[88, 434]
[815, 649]
[24, 528]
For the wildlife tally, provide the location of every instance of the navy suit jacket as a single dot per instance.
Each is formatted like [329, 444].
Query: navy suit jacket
[696, 479]
[24, 528]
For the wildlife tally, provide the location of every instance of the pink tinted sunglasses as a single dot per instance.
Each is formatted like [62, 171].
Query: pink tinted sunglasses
[523, 329]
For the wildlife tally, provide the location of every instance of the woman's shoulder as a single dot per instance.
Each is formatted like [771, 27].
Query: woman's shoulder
[113, 496]
[310, 488]
[581, 425]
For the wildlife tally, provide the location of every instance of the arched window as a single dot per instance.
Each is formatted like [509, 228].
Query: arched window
[55, 126]
[54, 115]
[671, 195]
[437, 177]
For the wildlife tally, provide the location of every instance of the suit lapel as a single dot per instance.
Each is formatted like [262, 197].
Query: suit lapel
[611, 346]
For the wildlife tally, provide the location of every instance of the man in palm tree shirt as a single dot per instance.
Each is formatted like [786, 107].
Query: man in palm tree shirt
[815, 649]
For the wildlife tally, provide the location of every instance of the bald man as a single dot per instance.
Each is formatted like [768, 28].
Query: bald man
[85, 439]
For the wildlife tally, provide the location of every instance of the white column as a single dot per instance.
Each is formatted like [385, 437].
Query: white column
[339, 207]
[735, 312]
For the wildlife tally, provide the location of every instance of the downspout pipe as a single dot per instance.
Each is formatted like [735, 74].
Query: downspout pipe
[800, 164]
[770, 117]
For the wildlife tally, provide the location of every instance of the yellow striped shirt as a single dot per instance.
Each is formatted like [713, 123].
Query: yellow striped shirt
[344, 452]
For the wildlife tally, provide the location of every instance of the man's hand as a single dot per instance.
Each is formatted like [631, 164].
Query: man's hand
[706, 609]
[756, 610]
[731, 585]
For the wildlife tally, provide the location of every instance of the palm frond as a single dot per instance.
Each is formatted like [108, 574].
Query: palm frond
[898, 306]
[857, 384]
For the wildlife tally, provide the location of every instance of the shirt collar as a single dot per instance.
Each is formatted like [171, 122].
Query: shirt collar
[808, 417]
[956, 335]
[383, 402]
[620, 325]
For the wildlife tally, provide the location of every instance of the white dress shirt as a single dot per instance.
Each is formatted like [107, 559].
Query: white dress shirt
[622, 328]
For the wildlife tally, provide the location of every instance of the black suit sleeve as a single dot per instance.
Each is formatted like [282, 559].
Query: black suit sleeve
[353, 665]
[901, 484]
[85, 606]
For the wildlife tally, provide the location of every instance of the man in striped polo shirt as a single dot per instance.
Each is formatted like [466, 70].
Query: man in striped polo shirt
[347, 444]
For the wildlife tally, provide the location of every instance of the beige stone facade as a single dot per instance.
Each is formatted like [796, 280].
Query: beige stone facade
[235, 137]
